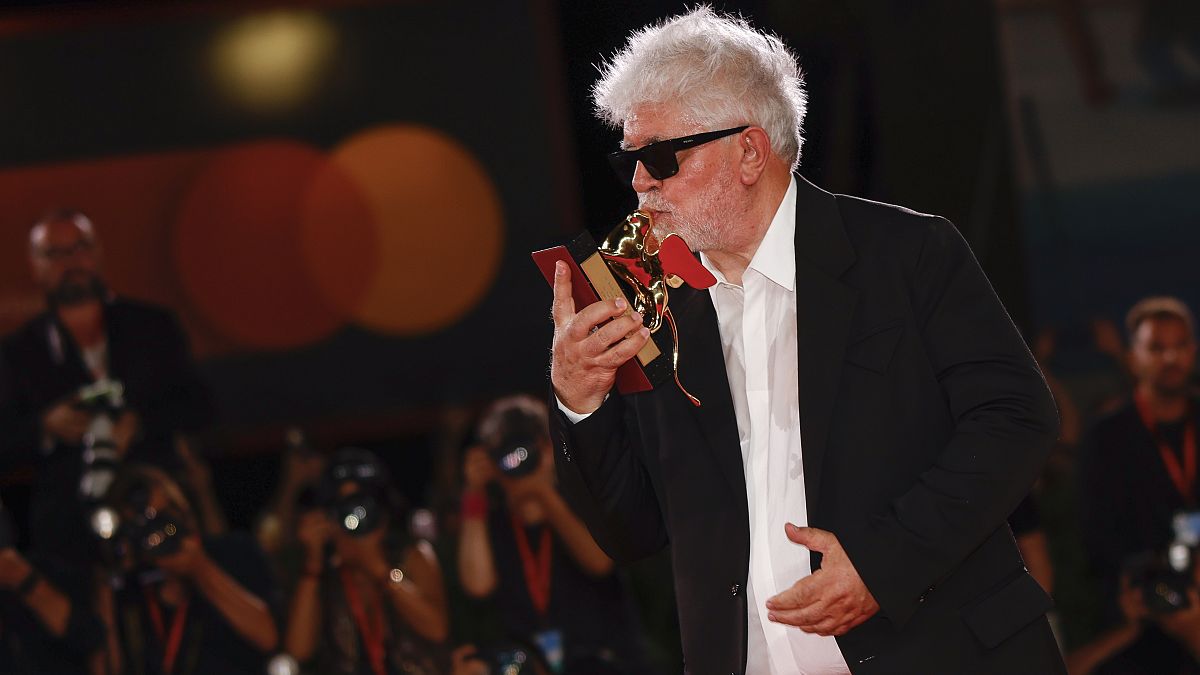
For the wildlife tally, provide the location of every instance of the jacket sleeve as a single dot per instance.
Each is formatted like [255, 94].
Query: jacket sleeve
[605, 481]
[1005, 423]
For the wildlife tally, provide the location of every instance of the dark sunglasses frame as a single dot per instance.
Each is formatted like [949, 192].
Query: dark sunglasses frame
[659, 158]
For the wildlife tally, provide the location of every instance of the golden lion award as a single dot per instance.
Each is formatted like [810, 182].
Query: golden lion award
[632, 262]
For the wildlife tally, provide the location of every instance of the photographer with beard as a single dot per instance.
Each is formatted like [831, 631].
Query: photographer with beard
[134, 356]
[1137, 474]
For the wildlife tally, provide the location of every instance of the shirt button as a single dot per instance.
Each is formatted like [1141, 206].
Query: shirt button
[735, 589]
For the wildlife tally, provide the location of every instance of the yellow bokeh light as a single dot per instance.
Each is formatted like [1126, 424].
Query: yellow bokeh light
[273, 61]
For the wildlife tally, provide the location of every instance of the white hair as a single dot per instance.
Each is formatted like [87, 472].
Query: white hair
[722, 73]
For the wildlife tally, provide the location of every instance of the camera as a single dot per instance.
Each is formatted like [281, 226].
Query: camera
[364, 509]
[104, 399]
[516, 455]
[358, 513]
[1164, 577]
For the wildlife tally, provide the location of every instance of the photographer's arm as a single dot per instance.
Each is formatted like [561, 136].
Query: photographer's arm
[245, 612]
[586, 552]
[304, 615]
[476, 564]
[51, 607]
[419, 598]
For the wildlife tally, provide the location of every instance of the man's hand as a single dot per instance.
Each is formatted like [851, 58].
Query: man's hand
[833, 599]
[586, 355]
[65, 422]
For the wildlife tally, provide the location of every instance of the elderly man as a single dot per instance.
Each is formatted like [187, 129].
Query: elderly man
[870, 414]
[87, 335]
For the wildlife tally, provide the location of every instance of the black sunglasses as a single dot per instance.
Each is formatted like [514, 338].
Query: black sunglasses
[659, 158]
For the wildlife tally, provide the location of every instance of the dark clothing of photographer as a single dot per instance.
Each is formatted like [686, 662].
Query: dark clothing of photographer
[344, 650]
[596, 620]
[147, 353]
[194, 637]
[1132, 483]
[27, 647]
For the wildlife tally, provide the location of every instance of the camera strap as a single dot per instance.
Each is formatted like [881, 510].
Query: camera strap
[1183, 476]
[537, 571]
[170, 643]
[372, 635]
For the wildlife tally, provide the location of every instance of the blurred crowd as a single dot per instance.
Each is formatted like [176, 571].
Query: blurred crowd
[129, 565]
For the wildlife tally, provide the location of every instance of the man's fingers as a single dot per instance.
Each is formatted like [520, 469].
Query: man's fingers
[593, 315]
[612, 332]
[626, 349]
[811, 538]
[563, 307]
[802, 594]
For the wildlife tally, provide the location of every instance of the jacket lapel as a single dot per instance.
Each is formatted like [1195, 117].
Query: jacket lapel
[824, 308]
[702, 372]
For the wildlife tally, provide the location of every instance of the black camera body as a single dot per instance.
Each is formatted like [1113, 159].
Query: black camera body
[151, 535]
[517, 455]
[1164, 589]
[104, 399]
[358, 513]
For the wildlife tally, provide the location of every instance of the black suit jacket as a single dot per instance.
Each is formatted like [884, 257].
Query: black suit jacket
[924, 421]
[40, 364]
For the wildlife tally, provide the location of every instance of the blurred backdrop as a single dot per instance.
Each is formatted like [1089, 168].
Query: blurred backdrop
[338, 197]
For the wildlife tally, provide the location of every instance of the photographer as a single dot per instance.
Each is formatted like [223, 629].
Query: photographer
[91, 369]
[526, 550]
[45, 624]
[370, 600]
[179, 604]
[1137, 473]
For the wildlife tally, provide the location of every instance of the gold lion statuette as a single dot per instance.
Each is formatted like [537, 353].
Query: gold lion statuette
[632, 253]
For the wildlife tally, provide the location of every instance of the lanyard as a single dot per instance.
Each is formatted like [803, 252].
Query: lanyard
[1184, 476]
[171, 647]
[372, 636]
[537, 572]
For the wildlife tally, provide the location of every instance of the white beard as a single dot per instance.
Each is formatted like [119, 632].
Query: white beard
[699, 221]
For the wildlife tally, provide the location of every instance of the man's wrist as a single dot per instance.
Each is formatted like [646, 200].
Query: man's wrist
[572, 416]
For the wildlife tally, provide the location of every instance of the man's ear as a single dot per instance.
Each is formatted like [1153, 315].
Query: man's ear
[755, 150]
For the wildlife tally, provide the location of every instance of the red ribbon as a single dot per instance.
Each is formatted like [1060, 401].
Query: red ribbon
[1184, 476]
[537, 572]
[171, 647]
[372, 635]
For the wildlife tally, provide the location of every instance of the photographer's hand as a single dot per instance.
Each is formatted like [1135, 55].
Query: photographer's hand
[478, 470]
[125, 430]
[313, 532]
[1184, 625]
[66, 423]
[244, 611]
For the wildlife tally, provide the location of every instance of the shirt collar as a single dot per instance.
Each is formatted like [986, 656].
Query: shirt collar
[775, 258]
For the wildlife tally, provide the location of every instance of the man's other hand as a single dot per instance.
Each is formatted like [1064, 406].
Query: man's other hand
[65, 422]
[590, 345]
[830, 601]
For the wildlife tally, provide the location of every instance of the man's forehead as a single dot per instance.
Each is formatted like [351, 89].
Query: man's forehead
[650, 123]
[62, 230]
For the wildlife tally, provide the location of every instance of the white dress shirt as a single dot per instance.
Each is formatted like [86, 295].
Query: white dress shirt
[757, 322]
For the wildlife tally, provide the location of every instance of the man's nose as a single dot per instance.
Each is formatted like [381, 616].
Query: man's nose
[642, 180]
